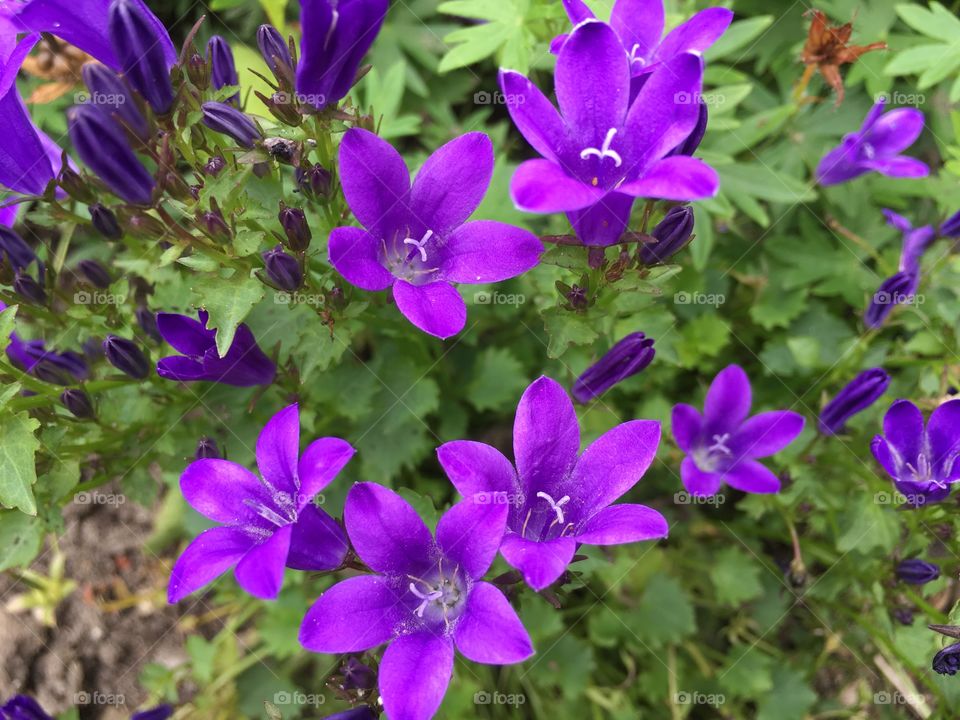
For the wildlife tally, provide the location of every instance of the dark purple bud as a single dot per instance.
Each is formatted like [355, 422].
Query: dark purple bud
[147, 226]
[296, 228]
[896, 289]
[947, 661]
[690, 145]
[357, 676]
[575, 295]
[160, 712]
[95, 273]
[917, 572]
[282, 270]
[147, 321]
[136, 41]
[102, 145]
[105, 222]
[126, 356]
[78, 403]
[628, 357]
[21, 707]
[951, 226]
[226, 119]
[337, 299]
[903, 615]
[198, 70]
[314, 181]
[14, 250]
[29, 289]
[859, 394]
[214, 165]
[223, 71]
[275, 53]
[215, 225]
[110, 93]
[671, 234]
[74, 185]
[207, 448]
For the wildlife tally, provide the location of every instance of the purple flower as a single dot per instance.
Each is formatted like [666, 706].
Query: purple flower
[78, 403]
[628, 357]
[33, 358]
[15, 252]
[358, 713]
[947, 661]
[857, 395]
[917, 572]
[230, 121]
[160, 712]
[916, 241]
[244, 365]
[22, 707]
[601, 151]
[426, 598]
[921, 460]
[671, 234]
[282, 270]
[336, 36]
[876, 147]
[109, 92]
[723, 444]
[266, 524]
[126, 356]
[223, 72]
[416, 239]
[951, 226]
[558, 500]
[895, 290]
[142, 46]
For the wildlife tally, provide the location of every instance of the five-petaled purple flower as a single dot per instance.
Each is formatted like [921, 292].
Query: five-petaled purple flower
[723, 444]
[416, 238]
[266, 524]
[427, 598]
[601, 151]
[558, 500]
[244, 365]
[876, 147]
[923, 461]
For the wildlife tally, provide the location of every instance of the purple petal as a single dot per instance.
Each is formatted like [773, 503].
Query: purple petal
[678, 177]
[319, 465]
[470, 532]
[895, 131]
[355, 254]
[535, 117]
[840, 164]
[436, 308]
[317, 542]
[728, 400]
[697, 481]
[546, 437]
[260, 571]
[766, 434]
[903, 428]
[943, 431]
[352, 616]
[895, 220]
[184, 334]
[686, 424]
[414, 675]
[884, 455]
[905, 167]
[220, 490]
[485, 251]
[696, 34]
[752, 477]
[578, 11]
[277, 449]
[639, 23]
[244, 365]
[603, 223]
[181, 369]
[477, 470]
[24, 166]
[489, 610]
[541, 186]
[210, 554]
[621, 524]
[540, 563]
[385, 530]
[375, 181]
[452, 182]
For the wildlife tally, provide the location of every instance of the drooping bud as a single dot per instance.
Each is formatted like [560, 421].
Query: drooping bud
[357, 676]
[859, 394]
[223, 71]
[147, 321]
[126, 356]
[110, 93]
[138, 39]
[105, 222]
[276, 54]
[29, 289]
[296, 228]
[283, 270]
[74, 185]
[207, 449]
[628, 357]
[215, 165]
[215, 225]
[95, 273]
[14, 250]
[78, 403]
[917, 572]
[896, 289]
[313, 181]
[947, 661]
[226, 119]
[198, 70]
[101, 144]
[671, 234]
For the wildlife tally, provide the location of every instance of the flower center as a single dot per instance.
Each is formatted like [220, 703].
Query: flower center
[547, 529]
[441, 595]
[710, 457]
[419, 245]
[603, 151]
[634, 58]
[283, 512]
[407, 258]
[923, 472]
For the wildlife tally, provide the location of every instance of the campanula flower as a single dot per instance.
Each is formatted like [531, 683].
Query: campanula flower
[336, 36]
[295, 227]
[426, 598]
[266, 523]
[600, 151]
[110, 92]
[947, 661]
[15, 252]
[244, 364]
[857, 395]
[671, 235]
[415, 238]
[917, 572]
[283, 270]
[275, 52]
[916, 241]
[223, 71]
[142, 47]
[23, 707]
[33, 358]
[558, 498]
[226, 119]
[922, 461]
[876, 147]
[723, 443]
[627, 357]
[105, 222]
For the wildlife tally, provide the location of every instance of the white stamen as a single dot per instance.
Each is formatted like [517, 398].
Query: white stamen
[419, 244]
[719, 444]
[604, 151]
[556, 505]
[633, 54]
[427, 599]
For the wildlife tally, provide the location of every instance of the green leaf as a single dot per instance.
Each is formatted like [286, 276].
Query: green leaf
[18, 471]
[503, 26]
[738, 35]
[565, 328]
[7, 318]
[665, 613]
[20, 539]
[227, 300]
[702, 243]
[703, 337]
[497, 381]
[736, 576]
[869, 524]
[790, 699]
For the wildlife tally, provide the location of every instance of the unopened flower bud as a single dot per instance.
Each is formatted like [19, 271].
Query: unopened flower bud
[29, 289]
[859, 394]
[917, 572]
[282, 270]
[671, 234]
[95, 274]
[628, 357]
[223, 71]
[135, 36]
[207, 449]
[105, 222]
[215, 225]
[78, 403]
[296, 228]
[126, 356]
[276, 54]
[109, 92]
[214, 165]
[314, 181]
[226, 119]
[147, 321]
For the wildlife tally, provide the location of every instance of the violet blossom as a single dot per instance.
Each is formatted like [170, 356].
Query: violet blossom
[33, 358]
[142, 46]
[266, 523]
[723, 444]
[917, 572]
[947, 660]
[426, 599]
[857, 395]
[901, 287]
[626, 358]
[415, 238]
[558, 498]
[244, 364]
[922, 461]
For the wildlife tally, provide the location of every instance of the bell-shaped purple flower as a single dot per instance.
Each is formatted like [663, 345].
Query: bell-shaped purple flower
[947, 661]
[558, 498]
[266, 523]
[917, 572]
[336, 36]
[230, 121]
[628, 357]
[416, 238]
[101, 144]
[857, 395]
[244, 365]
[223, 71]
[139, 42]
[275, 52]
[922, 461]
[110, 93]
[876, 147]
[671, 235]
[724, 443]
[426, 599]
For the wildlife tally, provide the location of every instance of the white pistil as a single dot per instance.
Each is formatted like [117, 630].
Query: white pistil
[419, 244]
[427, 599]
[633, 54]
[557, 505]
[604, 151]
[720, 444]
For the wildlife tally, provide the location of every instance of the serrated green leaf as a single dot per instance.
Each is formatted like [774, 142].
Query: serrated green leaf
[565, 328]
[227, 300]
[20, 539]
[18, 472]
